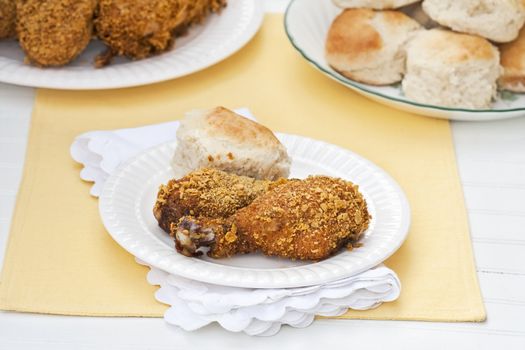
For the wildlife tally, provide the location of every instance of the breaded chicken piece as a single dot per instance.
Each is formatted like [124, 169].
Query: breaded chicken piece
[7, 18]
[194, 12]
[206, 192]
[142, 28]
[136, 28]
[307, 219]
[54, 32]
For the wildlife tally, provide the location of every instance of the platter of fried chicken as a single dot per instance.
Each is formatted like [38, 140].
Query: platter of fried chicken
[231, 203]
[102, 44]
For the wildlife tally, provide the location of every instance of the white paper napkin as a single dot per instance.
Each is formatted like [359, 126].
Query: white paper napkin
[262, 312]
[195, 304]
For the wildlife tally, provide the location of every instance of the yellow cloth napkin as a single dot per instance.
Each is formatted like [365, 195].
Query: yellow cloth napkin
[61, 260]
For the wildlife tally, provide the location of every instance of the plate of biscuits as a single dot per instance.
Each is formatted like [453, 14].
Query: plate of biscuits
[105, 44]
[231, 203]
[458, 60]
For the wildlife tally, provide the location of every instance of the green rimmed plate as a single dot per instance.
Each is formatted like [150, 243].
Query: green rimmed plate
[307, 22]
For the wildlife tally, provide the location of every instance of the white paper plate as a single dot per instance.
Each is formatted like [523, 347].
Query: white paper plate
[217, 38]
[128, 197]
[307, 23]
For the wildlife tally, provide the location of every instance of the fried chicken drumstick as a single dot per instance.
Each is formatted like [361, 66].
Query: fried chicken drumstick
[54, 32]
[307, 219]
[207, 193]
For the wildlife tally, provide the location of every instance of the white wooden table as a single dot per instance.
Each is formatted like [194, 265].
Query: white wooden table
[491, 161]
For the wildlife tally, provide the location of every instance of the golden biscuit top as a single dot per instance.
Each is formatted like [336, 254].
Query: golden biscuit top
[451, 47]
[224, 122]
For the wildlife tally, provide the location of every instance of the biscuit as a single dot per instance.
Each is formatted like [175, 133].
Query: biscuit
[496, 20]
[369, 46]
[221, 139]
[449, 69]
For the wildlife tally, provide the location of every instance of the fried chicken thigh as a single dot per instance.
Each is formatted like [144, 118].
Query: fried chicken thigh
[207, 193]
[307, 219]
[136, 29]
[142, 28]
[54, 32]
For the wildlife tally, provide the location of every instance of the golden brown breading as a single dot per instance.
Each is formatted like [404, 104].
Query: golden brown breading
[194, 12]
[7, 18]
[301, 219]
[309, 219]
[142, 28]
[136, 29]
[206, 192]
[54, 32]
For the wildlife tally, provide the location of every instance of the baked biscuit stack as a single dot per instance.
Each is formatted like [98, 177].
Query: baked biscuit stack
[444, 52]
